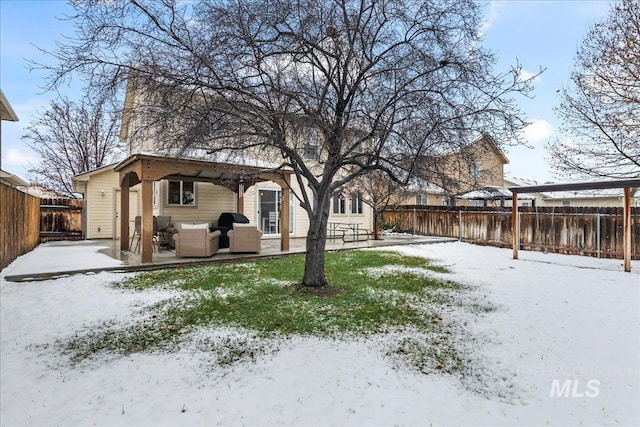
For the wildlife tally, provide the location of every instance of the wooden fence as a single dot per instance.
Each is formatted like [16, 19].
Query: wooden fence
[19, 223]
[60, 219]
[570, 230]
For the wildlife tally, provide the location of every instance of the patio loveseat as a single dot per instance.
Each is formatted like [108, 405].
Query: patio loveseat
[245, 238]
[196, 241]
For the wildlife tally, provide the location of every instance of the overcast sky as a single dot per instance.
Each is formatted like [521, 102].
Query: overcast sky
[538, 34]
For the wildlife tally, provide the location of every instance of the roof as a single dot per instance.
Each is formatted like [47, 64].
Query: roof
[6, 112]
[577, 186]
[421, 185]
[11, 179]
[84, 176]
[493, 145]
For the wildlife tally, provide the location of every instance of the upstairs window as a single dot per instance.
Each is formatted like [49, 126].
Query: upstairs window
[311, 151]
[475, 171]
[181, 193]
[421, 199]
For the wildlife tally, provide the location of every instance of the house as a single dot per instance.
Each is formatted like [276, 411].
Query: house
[7, 113]
[477, 167]
[196, 186]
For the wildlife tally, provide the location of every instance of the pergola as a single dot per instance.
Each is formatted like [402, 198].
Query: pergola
[146, 168]
[626, 184]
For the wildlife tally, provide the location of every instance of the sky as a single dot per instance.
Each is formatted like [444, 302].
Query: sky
[537, 34]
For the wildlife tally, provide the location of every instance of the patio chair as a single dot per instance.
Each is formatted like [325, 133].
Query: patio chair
[196, 242]
[164, 221]
[244, 238]
[137, 232]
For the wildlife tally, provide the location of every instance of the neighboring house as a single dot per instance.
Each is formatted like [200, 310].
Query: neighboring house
[7, 114]
[421, 193]
[196, 186]
[11, 179]
[477, 169]
[40, 191]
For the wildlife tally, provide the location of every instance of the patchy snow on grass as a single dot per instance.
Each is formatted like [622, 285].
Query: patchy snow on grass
[544, 340]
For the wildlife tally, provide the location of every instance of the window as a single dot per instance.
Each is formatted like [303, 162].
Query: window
[339, 204]
[154, 193]
[356, 204]
[476, 203]
[181, 193]
[566, 203]
[311, 151]
[475, 171]
[421, 199]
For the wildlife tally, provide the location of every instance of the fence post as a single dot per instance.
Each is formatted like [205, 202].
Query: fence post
[459, 225]
[414, 221]
[598, 234]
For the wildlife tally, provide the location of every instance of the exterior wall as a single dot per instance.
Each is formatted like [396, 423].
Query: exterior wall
[300, 217]
[433, 199]
[490, 162]
[211, 201]
[100, 221]
[595, 202]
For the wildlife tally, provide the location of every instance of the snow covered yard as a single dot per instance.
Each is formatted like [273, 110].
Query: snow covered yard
[561, 347]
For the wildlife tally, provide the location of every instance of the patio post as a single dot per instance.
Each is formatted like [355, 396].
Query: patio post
[124, 213]
[147, 221]
[515, 225]
[626, 241]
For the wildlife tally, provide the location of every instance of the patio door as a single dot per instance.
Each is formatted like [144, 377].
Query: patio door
[134, 210]
[269, 211]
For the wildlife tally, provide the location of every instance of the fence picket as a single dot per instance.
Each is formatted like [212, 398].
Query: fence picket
[551, 229]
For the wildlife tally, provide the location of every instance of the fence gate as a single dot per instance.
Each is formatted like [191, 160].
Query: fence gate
[60, 219]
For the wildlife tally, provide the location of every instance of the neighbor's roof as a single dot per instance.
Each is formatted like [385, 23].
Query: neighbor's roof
[11, 179]
[6, 112]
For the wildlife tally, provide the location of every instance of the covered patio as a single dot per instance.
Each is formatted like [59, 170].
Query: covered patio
[145, 169]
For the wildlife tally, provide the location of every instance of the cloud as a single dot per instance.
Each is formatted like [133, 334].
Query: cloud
[538, 131]
[526, 75]
[18, 157]
[492, 14]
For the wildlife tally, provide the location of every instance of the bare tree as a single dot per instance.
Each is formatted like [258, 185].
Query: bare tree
[70, 138]
[600, 109]
[377, 84]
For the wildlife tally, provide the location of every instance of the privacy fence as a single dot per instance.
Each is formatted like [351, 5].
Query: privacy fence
[19, 223]
[582, 231]
[60, 219]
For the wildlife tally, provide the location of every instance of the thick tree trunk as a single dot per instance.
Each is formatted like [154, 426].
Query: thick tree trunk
[376, 224]
[314, 274]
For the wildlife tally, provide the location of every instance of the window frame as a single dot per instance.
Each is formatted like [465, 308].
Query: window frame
[182, 192]
[339, 206]
[359, 205]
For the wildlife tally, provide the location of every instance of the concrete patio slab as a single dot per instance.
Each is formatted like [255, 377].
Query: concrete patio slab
[58, 259]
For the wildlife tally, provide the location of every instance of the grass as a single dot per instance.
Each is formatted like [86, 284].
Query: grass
[372, 292]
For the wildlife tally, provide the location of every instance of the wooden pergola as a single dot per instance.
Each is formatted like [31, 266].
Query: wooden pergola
[626, 184]
[145, 169]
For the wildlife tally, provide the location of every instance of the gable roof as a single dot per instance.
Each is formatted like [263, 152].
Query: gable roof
[487, 139]
[6, 112]
[84, 176]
